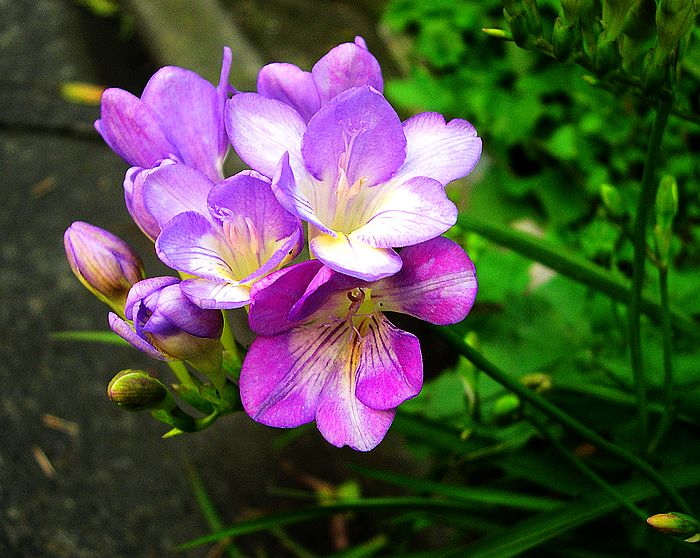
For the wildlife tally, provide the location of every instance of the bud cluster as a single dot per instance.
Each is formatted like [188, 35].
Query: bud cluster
[629, 42]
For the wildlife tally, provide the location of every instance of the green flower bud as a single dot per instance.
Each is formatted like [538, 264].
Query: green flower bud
[537, 382]
[607, 55]
[654, 70]
[563, 40]
[674, 18]
[676, 524]
[614, 16]
[666, 209]
[524, 20]
[612, 200]
[135, 390]
[570, 10]
[506, 406]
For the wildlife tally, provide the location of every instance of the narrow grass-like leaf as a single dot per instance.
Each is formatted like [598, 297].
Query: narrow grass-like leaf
[468, 495]
[306, 514]
[107, 337]
[541, 528]
[365, 549]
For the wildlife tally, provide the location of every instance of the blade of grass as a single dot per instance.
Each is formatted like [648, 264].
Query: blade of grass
[468, 495]
[365, 549]
[306, 514]
[107, 337]
[206, 506]
[574, 267]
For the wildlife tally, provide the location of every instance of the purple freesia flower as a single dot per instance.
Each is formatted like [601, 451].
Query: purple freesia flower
[326, 352]
[166, 325]
[365, 182]
[179, 118]
[345, 66]
[227, 235]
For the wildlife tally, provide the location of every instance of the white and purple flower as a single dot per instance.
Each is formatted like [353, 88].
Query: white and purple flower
[227, 236]
[179, 117]
[365, 182]
[326, 352]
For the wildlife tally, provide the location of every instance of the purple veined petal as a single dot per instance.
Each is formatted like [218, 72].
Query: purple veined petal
[274, 296]
[172, 305]
[437, 283]
[328, 291]
[174, 189]
[190, 243]
[391, 367]
[282, 376]
[346, 66]
[222, 91]
[260, 232]
[188, 107]
[440, 150]
[353, 257]
[262, 129]
[343, 419]
[409, 213]
[292, 195]
[291, 85]
[358, 132]
[125, 331]
[144, 288]
[133, 129]
[135, 204]
[210, 294]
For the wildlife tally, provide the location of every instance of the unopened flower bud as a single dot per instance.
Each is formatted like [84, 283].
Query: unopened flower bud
[506, 406]
[612, 200]
[614, 15]
[135, 390]
[104, 263]
[666, 209]
[537, 382]
[607, 55]
[654, 70]
[676, 524]
[563, 40]
[674, 18]
[524, 20]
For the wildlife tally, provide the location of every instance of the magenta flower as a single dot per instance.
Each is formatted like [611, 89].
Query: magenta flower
[233, 233]
[364, 182]
[167, 326]
[326, 352]
[345, 66]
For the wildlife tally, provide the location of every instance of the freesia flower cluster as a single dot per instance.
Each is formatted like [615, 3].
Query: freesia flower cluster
[331, 164]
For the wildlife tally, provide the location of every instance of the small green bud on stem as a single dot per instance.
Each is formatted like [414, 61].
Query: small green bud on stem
[676, 524]
[524, 20]
[666, 209]
[613, 201]
[136, 391]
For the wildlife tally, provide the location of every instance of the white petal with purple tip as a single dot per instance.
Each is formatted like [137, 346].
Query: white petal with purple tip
[405, 214]
[209, 294]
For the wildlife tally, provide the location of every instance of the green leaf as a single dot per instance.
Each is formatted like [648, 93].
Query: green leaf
[467, 494]
[107, 337]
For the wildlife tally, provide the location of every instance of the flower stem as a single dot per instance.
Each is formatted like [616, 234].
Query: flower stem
[228, 340]
[669, 389]
[585, 470]
[644, 204]
[180, 370]
[573, 267]
[561, 417]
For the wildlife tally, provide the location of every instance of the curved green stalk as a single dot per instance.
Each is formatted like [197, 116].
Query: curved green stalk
[669, 404]
[573, 267]
[561, 417]
[227, 339]
[180, 370]
[646, 200]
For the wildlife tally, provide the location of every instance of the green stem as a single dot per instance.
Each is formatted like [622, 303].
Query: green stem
[669, 388]
[585, 470]
[180, 370]
[573, 267]
[560, 416]
[227, 339]
[646, 200]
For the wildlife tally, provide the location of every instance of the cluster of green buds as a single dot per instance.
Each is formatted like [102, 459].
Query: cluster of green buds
[630, 42]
